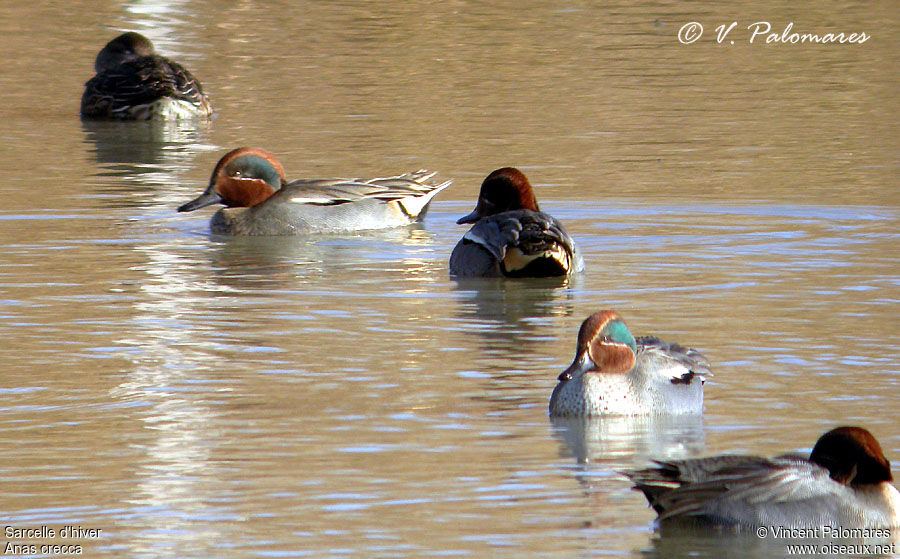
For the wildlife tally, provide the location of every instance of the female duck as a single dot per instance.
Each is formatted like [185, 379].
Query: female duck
[615, 373]
[511, 236]
[135, 83]
[251, 183]
[844, 483]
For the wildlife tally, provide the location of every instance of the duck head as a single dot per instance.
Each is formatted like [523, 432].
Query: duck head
[605, 345]
[126, 46]
[243, 178]
[503, 190]
[852, 456]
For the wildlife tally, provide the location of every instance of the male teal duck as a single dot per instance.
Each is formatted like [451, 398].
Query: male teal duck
[615, 373]
[135, 83]
[251, 183]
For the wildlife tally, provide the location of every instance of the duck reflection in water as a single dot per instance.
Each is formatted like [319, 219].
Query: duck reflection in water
[335, 263]
[625, 440]
[145, 159]
[510, 317]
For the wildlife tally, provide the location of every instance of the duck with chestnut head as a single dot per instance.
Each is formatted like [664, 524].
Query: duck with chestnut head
[615, 373]
[511, 236]
[844, 483]
[251, 183]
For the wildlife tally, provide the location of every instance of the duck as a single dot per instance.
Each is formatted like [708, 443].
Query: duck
[259, 201]
[135, 83]
[511, 236]
[615, 373]
[844, 483]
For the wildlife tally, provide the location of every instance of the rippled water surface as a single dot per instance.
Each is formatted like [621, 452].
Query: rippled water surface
[197, 396]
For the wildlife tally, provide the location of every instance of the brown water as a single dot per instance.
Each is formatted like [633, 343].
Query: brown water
[193, 396]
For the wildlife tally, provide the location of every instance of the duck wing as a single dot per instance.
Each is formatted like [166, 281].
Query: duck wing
[682, 363]
[138, 82]
[328, 192]
[531, 232]
[732, 488]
